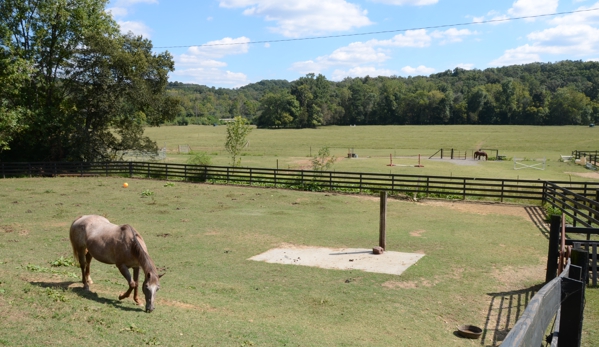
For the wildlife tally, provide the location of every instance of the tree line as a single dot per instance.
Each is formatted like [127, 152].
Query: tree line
[561, 93]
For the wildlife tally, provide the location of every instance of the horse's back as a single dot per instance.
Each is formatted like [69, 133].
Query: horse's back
[84, 226]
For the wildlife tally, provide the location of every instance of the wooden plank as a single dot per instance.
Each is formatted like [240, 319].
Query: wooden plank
[530, 329]
[594, 263]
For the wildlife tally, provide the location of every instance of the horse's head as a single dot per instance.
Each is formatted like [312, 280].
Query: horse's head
[150, 287]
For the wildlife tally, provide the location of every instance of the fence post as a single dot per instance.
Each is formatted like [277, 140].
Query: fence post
[302, 178]
[185, 172]
[361, 184]
[228, 175]
[275, 178]
[464, 190]
[452, 153]
[383, 221]
[166, 171]
[580, 257]
[205, 173]
[502, 189]
[250, 176]
[572, 309]
[330, 181]
[427, 186]
[552, 253]
[130, 169]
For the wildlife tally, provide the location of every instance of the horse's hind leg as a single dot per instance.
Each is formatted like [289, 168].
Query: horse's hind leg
[88, 258]
[81, 253]
[125, 272]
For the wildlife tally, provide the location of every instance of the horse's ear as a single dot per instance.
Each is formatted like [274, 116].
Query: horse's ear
[160, 276]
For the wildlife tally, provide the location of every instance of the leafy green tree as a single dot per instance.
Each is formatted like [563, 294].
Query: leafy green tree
[91, 90]
[13, 74]
[569, 106]
[278, 110]
[237, 132]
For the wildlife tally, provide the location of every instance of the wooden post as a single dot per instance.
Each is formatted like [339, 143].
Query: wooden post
[552, 253]
[570, 329]
[383, 221]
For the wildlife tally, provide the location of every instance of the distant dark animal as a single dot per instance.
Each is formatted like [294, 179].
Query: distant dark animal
[480, 154]
[94, 236]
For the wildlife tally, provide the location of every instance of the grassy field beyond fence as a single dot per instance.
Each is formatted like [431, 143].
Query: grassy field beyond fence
[293, 148]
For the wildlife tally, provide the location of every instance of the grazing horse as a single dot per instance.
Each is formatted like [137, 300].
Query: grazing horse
[479, 154]
[95, 237]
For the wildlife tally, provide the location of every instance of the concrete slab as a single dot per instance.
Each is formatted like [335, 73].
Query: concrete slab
[393, 263]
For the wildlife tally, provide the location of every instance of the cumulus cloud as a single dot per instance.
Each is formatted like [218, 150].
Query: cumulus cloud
[522, 8]
[359, 71]
[417, 71]
[573, 40]
[211, 76]
[407, 2]
[466, 66]
[137, 28]
[200, 64]
[306, 17]
[117, 11]
[221, 48]
[589, 17]
[452, 35]
[359, 53]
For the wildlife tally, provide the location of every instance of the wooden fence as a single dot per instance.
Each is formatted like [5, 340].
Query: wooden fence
[576, 198]
[561, 299]
[350, 182]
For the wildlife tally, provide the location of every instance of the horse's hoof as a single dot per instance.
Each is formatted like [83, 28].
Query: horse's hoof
[122, 296]
[86, 288]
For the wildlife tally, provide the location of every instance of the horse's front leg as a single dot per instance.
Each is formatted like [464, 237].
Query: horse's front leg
[132, 285]
[135, 279]
[84, 267]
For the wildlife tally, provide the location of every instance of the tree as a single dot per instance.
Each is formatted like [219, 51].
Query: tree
[13, 74]
[237, 132]
[278, 110]
[569, 106]
[323, 160]
[91, 90]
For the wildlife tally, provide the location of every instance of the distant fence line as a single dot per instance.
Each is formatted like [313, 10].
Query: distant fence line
[578, 200]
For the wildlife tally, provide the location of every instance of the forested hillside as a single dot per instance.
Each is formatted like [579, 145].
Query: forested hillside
[561, 93]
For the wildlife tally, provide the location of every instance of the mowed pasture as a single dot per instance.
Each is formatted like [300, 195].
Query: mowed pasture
[202, 235]
[293, 148]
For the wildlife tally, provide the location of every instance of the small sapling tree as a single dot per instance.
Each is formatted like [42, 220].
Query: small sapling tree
[323, 160]
[237, 132]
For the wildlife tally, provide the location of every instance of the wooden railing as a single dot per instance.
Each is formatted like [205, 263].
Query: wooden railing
[577, 198]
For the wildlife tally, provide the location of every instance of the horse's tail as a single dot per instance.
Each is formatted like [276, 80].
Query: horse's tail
[75, 239]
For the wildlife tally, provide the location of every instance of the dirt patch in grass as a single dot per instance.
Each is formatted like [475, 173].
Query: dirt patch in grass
[417, 233]
[512, 278]
[594, 175]
[480, 208]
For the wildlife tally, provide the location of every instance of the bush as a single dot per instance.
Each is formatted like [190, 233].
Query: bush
[199, 158]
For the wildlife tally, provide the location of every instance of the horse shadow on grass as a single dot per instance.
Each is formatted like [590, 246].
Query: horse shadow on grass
[86, 294]
[504, 311]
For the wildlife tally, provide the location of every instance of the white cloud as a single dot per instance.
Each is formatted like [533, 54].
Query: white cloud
[417, 71]
[466, 66]
[221, 48]
[211, 76]
[307, 17]
[407, 2]
[522, 8]
[138, 28]
[339, 75]
[200, 65]
[589, 17]
[452, 35]
[358, 54]
[571, 40]
[117, 11]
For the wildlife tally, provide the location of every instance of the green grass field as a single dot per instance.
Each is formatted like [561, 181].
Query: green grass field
[202, 236]
[293, 148]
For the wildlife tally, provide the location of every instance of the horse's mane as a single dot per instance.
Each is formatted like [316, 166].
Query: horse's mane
[138, 252]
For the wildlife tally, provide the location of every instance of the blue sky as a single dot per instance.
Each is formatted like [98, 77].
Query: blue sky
[211, 40]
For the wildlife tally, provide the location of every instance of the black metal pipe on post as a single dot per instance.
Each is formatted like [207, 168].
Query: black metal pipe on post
[383, 221]
[552, 253]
